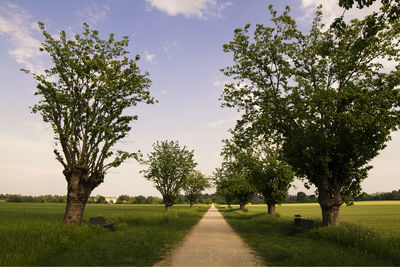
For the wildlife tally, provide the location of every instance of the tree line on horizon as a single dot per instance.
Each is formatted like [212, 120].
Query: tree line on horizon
[300, 197]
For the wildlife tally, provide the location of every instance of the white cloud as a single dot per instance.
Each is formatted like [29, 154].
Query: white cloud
[149, 57]
[94, 13]
[202, 9]
[17, 24]
[331, 10]
[218, 83]
[171, 47]
[217, 123]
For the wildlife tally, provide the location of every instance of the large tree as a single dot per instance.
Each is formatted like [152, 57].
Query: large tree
[85, 97]
[322, 95]
[168, 168]
[196, 182]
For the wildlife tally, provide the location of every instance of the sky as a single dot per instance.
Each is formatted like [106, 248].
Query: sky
[180, 44]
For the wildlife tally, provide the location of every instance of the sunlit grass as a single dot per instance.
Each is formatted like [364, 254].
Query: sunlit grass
[33, 234]
[369, 234]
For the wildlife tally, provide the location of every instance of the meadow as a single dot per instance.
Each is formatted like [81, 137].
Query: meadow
[369, 234]
[34, 234]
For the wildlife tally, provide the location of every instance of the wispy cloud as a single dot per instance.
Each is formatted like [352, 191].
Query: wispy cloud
[217, 123]
[149, 57]
[93, 13]
[220, 83]
[172, 47]
[18, 25]
[201, 9]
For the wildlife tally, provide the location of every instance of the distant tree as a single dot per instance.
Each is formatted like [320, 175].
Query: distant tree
[263, 167]
[14, 198]
[101, 200]
[323, 96]
[140, 200]
[231, 182]
[168, 168]
[301, 197]
[84, 97]
[196, 182]
[123, 199]
[223, 184]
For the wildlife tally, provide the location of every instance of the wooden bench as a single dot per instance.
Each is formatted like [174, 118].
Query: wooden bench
[302, 225]
[100, 221]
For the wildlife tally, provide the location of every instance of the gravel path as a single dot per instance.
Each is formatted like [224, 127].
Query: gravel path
[211, 242]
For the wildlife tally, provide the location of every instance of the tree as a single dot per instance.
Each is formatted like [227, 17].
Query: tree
[195, 183]
[84, 97]
[301, 197]
[262, 166]
[323, 96]
[101, 200]
[123, 199]
[168, 168]
[231, 183]
[272, 178]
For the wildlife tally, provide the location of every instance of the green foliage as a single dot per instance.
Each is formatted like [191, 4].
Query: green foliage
[33, 235]
[263, 167]
[231, 183]
[84, 97]
[101, 200]
[195, 183]
[323, 96]
[123, 199]
[168, 168]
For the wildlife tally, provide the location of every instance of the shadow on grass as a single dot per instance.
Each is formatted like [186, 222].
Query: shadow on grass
[277, 244]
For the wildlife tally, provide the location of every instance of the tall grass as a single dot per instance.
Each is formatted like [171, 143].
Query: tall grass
[33, 234]
[362, 239]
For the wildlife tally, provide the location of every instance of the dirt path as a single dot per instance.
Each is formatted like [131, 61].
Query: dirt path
[212, 242]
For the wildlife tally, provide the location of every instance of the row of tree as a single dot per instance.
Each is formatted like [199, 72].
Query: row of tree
[122, 199]
[318, 106]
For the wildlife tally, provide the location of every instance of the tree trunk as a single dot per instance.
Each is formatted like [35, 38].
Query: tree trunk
[169, 202]
[242, 206]
[77, 196]
[330, 200]
[191, 204]
[271, 208]
[229, 206]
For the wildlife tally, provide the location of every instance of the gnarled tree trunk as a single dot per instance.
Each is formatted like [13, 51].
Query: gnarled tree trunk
[271, 208]
[330, 200]
[229, 206]
[191, 204]
[242, 206]
[79, 190]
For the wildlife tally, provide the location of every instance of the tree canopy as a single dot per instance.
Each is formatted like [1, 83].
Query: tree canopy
[322, 95]
[168, 167]
[195, 183]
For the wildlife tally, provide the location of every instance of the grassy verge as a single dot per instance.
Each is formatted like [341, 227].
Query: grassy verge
[276, 243]
[33, 234]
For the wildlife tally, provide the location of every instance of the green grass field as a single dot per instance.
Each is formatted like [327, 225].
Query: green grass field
[33, 234]
[369, 234]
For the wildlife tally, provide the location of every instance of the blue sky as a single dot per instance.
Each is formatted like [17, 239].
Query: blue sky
[180, 44]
